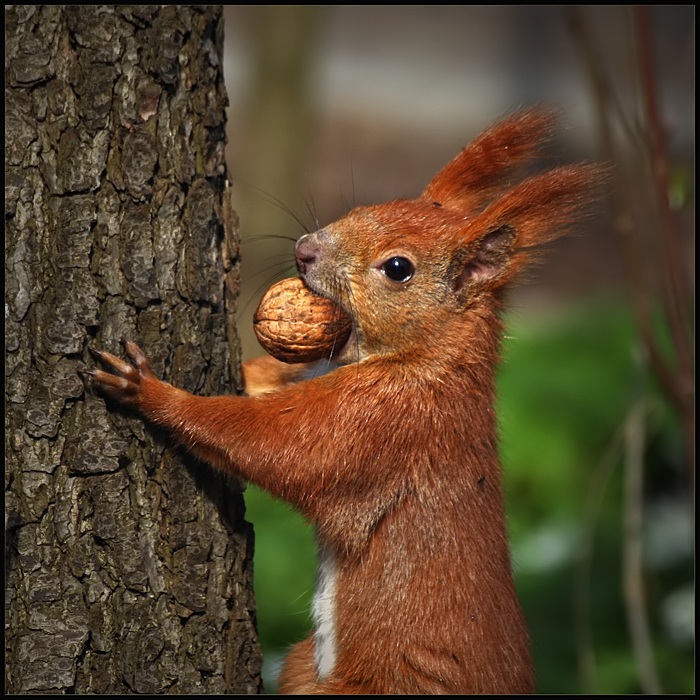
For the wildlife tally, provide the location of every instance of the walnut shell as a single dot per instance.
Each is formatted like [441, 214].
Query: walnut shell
[295, 324]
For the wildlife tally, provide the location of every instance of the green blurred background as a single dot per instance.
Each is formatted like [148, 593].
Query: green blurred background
[333, 106]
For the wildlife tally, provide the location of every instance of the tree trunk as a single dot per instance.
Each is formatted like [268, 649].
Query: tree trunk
[128, 567]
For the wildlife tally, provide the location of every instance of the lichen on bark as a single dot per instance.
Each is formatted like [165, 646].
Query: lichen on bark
[128, 567]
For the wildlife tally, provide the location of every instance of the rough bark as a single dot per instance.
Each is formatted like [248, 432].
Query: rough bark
[128, 568]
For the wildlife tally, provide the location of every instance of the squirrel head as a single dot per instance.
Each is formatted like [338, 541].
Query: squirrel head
[417, 274]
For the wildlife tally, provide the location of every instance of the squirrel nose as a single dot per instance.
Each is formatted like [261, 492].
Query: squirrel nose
[308, 250]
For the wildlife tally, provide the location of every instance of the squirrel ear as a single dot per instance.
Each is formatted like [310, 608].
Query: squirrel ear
[533, 213]
[478, 173]
[488, 259]
[542, 207]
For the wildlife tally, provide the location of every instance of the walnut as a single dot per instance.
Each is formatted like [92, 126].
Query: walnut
[294, 324]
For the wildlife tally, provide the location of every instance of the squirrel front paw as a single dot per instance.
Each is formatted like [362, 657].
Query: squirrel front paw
[125, 383]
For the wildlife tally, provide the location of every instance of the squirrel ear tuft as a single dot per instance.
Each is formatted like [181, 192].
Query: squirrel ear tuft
[503, 239]
[544, 206]
[484, 167]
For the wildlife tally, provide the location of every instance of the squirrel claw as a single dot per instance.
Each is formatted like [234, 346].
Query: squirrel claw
[121, 380]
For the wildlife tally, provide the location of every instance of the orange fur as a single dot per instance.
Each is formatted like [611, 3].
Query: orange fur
[265, 374]
[393, 455]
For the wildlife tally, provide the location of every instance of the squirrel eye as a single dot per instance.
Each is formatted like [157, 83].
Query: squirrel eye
[398, 269]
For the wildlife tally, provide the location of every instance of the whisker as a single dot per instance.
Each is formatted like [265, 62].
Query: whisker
[353, 316]
[338, 313]
[281, 267]
[272, 199]
[352, 180]
[349, 204]
[267, 283]
[311, 209]
[267, 236]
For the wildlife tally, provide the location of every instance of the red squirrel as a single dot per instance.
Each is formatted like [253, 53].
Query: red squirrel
[393, 455]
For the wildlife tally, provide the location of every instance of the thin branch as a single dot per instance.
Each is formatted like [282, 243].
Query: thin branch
[632, 211]
[676, 294]
[632, 550]
[583, 633]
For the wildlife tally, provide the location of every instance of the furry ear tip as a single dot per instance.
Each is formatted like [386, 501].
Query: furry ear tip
[544, 115]
[492, 159]
[589, 178]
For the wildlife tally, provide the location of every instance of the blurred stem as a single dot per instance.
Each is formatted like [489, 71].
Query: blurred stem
[659, 256]
[676, 293]
[632, 549]
[646, 225]
[582, 591]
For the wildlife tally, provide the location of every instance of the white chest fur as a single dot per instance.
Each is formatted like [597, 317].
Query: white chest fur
[324, 613]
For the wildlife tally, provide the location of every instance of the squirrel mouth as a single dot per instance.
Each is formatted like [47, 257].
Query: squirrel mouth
[339, 350]
[316, 289]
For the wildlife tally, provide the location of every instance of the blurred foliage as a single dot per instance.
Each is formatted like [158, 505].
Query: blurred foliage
[566, 386]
